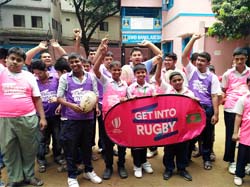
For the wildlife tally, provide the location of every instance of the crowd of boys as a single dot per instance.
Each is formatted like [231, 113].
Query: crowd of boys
[49, 96]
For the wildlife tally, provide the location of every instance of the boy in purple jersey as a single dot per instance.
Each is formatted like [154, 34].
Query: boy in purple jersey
[77, 131]
[48, 87]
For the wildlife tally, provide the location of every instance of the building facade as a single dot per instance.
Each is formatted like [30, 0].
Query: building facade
[25, 23]
[179, 20]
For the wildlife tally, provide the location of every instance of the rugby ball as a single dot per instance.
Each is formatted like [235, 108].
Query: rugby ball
[127, 74]
[88, 101]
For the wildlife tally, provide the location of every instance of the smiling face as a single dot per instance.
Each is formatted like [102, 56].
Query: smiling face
[201, 64]
[46, 58]
[177, 82]
[140, 75]
[14, 63]
[169, 63]
[116, 71]
[75, 64]
[136, 57]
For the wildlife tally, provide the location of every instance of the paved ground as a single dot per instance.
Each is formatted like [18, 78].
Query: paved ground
[217, 177]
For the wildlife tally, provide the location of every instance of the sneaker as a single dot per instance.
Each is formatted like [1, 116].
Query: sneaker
[151, 154]
[34, 181]
[247, 169]
[147, 167]
[73, 182]
[232, 167]
[122, 172]
[41, 168]
[212, 157]
[138, 172]
[238, 181]
[92, 177]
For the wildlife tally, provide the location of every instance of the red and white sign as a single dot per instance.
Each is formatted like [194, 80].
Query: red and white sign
[155, 121]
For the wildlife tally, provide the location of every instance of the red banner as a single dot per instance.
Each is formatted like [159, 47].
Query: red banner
[155, 121]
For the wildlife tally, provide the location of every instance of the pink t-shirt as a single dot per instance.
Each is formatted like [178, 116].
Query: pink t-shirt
[242, 107]
[236, 87]
[16, 91]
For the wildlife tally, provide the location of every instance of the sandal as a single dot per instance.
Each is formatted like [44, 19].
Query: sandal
[34, 181]
[208, 165]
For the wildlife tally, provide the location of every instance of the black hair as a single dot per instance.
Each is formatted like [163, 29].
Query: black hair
[211, 68]
[87, 61]
[62, 64]
[3, 53]
[115, 63]
[174, 73]
[44, 51]
[109, 53]
[92, 49]
[75, 55]
[171, 55]
[18, 51]
[205, 55]
[38, 64]
[135, 49]
[139, 67]
[194, 57]
[240, 51]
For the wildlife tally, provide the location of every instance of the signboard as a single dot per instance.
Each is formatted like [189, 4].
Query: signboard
[137, 38]
[155, 121]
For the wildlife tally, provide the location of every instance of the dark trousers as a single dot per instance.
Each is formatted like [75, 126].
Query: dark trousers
[230, 145]
[1, 158]
[109, 153]
[242, 160]
[77, 134]
[52, 129]
[179, 151]
[139, 156]
[207, 134]
[100, 127]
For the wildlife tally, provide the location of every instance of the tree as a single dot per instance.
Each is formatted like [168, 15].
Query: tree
[3, 2]
[234, 19]
[91, 13]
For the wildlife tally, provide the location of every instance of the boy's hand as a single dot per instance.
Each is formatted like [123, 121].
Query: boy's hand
[214, 119]
[54, 43]
[42, 123]
[235, 137]
[77, 33]
[157, 59]
[197, 36]
[145, 43]
[43, 45]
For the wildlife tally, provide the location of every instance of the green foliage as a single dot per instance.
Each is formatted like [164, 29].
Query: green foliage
[234, 19]
[91, 13]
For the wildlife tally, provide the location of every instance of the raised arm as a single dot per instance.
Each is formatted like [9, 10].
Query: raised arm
[43, 45]
[100, 54]
[150, 45]
[77, 35]
[158, 71]
[188, 49]
[54, 43]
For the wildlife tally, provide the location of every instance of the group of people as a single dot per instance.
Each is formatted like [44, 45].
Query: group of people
[45, 103]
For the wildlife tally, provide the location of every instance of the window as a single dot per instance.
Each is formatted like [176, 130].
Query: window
[185, 42]
[67, 19]
[18, 21]
[167, 47]
[37, 21]
[104, 26]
